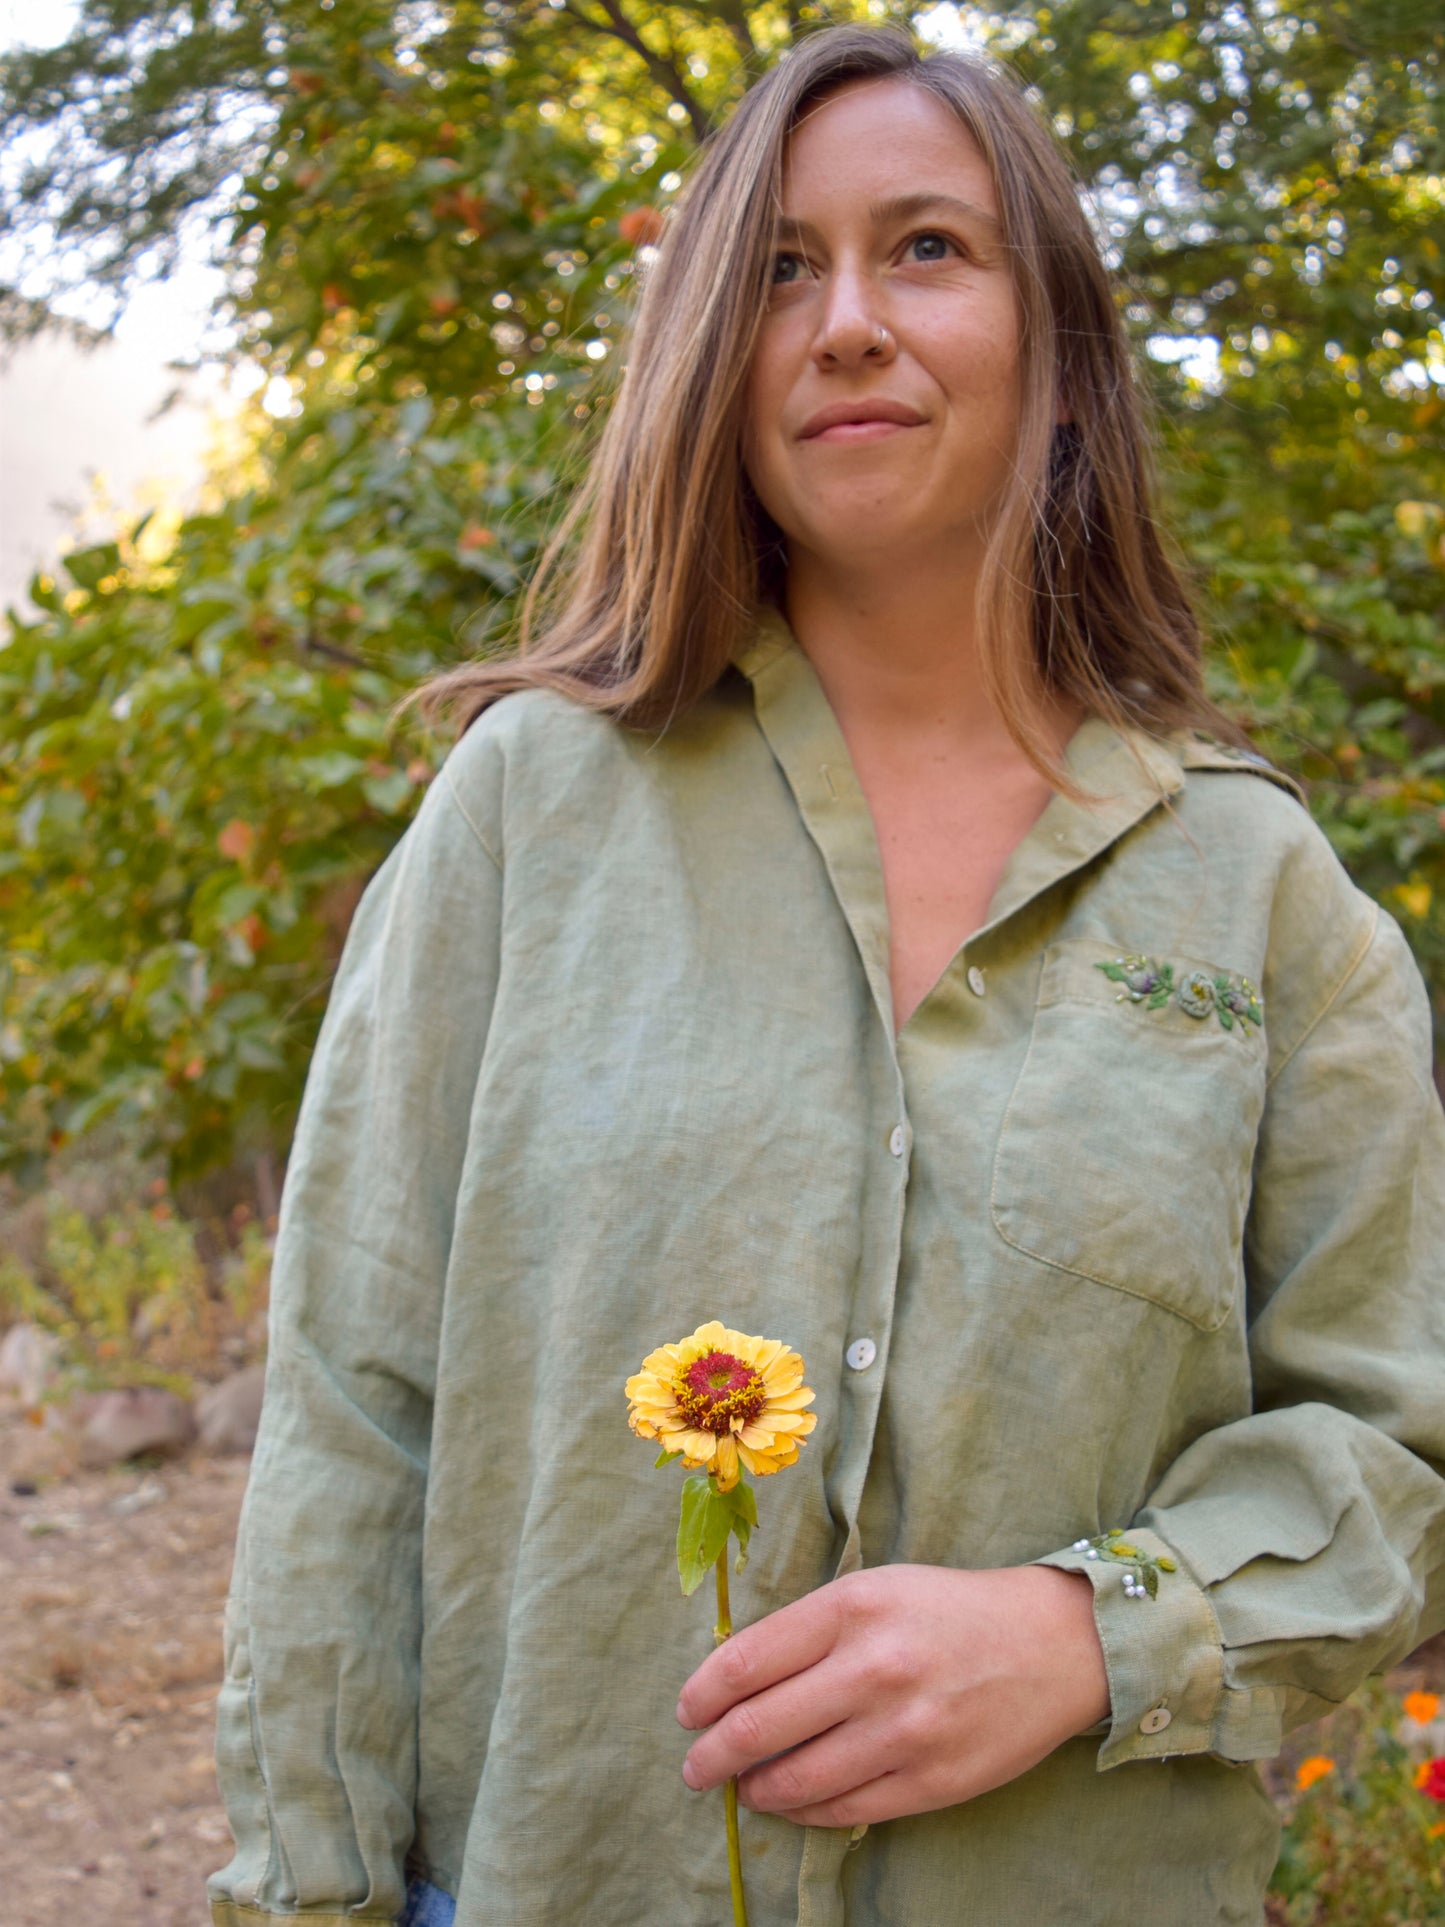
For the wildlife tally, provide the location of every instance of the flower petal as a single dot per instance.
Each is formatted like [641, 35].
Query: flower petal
[791, 1401]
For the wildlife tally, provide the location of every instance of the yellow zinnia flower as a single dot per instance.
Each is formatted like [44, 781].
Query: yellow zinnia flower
[723, 1399]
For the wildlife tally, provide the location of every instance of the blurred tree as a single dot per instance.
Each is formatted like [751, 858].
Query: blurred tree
[1273, 180]
[430, 216]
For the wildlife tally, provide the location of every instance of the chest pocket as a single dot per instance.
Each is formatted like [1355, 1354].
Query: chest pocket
[1126, 1149]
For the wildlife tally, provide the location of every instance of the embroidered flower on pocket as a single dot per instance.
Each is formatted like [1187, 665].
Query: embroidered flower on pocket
[1196, 993]
[1233, 1000]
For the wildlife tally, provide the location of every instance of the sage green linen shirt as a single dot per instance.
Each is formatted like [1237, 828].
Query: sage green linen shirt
[610, 1052]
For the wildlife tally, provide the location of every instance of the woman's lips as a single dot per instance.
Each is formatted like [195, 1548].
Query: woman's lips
[870, 431]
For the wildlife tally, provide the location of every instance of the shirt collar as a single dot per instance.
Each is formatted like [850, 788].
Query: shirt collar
[1124, 775]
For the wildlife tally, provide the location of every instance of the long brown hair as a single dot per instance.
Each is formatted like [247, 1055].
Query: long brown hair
[641, 595]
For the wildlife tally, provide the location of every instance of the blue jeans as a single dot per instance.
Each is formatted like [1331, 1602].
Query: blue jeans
[428, 1906]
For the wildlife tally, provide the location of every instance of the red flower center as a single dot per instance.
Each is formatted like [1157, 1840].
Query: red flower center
[719, 1393]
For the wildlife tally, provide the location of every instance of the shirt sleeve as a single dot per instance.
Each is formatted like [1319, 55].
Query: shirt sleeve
[316, 1722]
[1309, 1536]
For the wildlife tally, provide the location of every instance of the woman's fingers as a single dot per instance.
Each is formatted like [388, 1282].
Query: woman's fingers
[799, 1708]
[886, 1798]
[786, 1642]
[830, 1772]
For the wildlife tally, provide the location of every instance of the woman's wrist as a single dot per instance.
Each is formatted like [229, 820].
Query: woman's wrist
[1066, 1601]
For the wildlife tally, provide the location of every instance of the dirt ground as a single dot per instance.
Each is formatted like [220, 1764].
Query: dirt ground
[111, 1591]
[112, 1586]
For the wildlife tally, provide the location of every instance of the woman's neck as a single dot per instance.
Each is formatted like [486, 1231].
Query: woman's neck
[899, 663]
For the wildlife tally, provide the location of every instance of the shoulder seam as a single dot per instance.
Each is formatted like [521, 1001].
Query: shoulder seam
[1361, 951]
[467, 818]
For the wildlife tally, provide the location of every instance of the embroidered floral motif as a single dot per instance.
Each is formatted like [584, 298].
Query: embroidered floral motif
[1196, 993]
[1142, 1569]
[1241, 1000]
[1144, 980]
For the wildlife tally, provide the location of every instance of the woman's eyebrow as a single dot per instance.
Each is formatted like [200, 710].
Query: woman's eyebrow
[901, 207]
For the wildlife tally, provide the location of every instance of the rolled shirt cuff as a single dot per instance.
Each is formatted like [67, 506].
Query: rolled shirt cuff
[1163, 1655]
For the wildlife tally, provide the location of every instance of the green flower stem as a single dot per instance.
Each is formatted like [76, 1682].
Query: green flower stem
[720, 1632]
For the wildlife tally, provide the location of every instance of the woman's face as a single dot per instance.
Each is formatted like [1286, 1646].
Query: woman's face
[889, 219]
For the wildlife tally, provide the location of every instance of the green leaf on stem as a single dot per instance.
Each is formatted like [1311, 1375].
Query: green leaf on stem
[745, 1518]
[707, 1520]
[702, 1530]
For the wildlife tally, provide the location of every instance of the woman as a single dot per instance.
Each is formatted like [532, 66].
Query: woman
[849, 926]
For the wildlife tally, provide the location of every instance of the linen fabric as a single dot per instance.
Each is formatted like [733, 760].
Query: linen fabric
[611, 1052]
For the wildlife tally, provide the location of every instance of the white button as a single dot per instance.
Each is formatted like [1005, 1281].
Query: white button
[895, 1140]
[1155, 1720]
[975, 980]
[861, 1354]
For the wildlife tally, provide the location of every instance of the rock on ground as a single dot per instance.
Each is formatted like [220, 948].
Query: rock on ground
[119, 1425]
[228, 1414]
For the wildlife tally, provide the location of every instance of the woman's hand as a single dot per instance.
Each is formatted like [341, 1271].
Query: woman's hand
[897, 1690]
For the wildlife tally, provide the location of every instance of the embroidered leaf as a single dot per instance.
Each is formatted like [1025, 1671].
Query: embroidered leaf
[1225, 1018]
[1159, 998]
[1151, 1581]
[1112, 970]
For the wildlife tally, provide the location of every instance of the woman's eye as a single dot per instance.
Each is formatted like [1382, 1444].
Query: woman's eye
[937, 245]
[781, 262]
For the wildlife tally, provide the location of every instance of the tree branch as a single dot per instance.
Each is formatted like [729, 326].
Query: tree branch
[334, 651]
[664, 72]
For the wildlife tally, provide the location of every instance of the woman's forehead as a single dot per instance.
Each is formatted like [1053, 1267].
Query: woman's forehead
[885, 139]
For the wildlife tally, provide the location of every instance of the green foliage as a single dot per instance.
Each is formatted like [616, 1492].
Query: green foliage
[198, 770]
[1363, 1847]
[131, 1301]
[127, 1297]
[432, 221]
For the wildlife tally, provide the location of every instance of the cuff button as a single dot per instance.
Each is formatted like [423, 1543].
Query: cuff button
[1155, 1720]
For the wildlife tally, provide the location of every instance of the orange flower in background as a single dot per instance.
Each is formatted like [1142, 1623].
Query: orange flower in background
[642, 227]
[1430, 1779]
[1422, 1707]
[1312, 1769]
[237, 840]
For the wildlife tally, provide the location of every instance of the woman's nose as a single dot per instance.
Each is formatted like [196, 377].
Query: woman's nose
[850, 326]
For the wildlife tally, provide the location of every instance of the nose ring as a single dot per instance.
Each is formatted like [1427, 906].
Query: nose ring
[881, 343]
